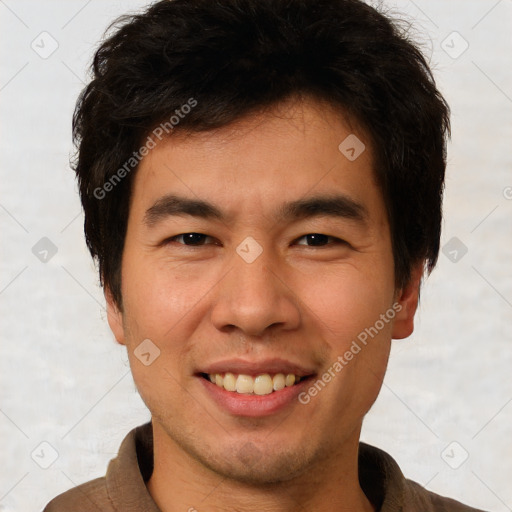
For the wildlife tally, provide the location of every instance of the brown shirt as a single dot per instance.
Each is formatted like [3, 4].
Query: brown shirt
[123, 489]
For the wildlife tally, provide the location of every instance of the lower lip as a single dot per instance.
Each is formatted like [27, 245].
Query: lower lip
[240, 404]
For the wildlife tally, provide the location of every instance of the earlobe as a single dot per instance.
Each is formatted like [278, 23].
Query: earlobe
[114, 317]
[408, 298]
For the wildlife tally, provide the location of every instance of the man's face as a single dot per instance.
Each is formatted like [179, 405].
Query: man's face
[251, 293]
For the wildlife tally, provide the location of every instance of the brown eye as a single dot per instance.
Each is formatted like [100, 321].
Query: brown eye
[189, 239]
[318, 240]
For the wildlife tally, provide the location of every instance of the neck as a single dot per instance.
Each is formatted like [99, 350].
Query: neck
[181, 483]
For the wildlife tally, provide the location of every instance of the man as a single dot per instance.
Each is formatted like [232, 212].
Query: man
[262, 186]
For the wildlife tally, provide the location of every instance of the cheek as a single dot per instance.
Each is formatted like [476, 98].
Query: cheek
[348, 301]
[359, 340]
[159, 295]
[159, 302]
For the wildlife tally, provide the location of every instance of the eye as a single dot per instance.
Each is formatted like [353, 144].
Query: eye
[199, 239]
[189, 239]
[319, 240]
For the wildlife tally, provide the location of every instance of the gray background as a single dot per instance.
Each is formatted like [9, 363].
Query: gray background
[448, 390]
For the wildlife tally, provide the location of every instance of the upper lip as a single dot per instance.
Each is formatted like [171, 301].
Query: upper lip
[243, 366]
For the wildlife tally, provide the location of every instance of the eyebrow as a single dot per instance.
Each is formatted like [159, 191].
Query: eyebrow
[339, 206]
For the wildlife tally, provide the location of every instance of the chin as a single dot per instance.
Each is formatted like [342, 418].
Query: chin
[251, 467]
[255, 460]
[242, 461]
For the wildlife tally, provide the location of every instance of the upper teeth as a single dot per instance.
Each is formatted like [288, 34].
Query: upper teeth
[262, 384]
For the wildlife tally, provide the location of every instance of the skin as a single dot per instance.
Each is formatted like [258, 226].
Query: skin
[295, 301]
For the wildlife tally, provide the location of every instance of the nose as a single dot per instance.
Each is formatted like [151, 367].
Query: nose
[254, 298]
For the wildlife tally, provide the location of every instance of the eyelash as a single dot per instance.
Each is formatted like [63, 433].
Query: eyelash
[337, 240]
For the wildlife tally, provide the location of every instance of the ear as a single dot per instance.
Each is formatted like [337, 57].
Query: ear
[407, 298]
[114, 317]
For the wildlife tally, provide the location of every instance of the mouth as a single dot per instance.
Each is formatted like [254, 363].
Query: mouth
[254, 388]
[261, 384]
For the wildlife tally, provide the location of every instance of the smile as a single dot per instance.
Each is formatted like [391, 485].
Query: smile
[262, 384]
[248, 403]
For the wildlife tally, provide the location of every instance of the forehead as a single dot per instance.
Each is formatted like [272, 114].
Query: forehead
[262, 163]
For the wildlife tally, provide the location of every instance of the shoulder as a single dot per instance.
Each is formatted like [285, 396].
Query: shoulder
[419, 498]
[89, 496]
[384, 483]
